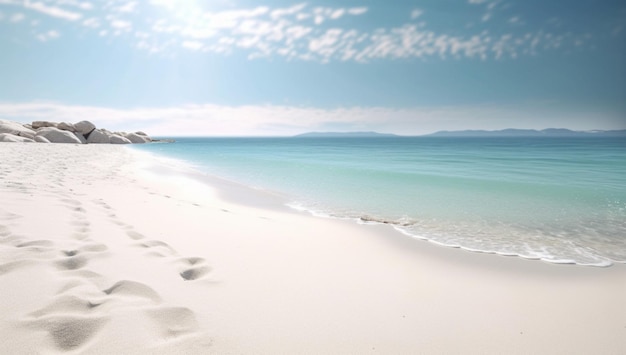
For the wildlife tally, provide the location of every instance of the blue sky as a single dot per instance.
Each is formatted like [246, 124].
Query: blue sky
[276, 67]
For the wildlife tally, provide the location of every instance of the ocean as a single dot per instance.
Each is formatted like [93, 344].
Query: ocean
[560, 200]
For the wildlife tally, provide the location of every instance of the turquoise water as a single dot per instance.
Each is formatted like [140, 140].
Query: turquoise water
[561, 200]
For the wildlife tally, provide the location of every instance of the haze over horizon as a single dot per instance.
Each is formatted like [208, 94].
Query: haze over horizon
[233, 67]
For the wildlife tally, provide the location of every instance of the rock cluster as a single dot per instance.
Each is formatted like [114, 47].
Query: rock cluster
[83, 132]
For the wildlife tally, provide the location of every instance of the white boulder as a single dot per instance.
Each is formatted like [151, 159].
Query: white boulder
[98, 136]
[15, 129]
[40, 139]
[80, 137]
[55, 135]
[116, 139]
[8, 137]
[27, 134]
[66, 126]
[42, 124]
[84, 127]
[136, 138]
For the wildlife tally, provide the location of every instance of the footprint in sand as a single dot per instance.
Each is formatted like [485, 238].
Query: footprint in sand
[76, 258]
[133, 289]
[4, 231]
[71, 263]
[173, 321]
[102, 204]
[73, 205]
[70, 332]
[8, 216]
[157, 248]
[38, 243]
[82, 282]
[80, 223]
[38, 246]
[134, 235]
[67, 304]
[14, 265]
[94, 248]
[193, 268]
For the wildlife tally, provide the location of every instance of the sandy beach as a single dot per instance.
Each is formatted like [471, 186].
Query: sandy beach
[105, 250]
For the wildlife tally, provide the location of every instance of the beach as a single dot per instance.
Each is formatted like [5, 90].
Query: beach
[107, 250]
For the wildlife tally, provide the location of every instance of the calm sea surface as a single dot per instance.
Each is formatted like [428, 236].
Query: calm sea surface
[561, 200]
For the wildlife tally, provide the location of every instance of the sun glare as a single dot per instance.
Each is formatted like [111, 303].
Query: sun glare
[181, 8]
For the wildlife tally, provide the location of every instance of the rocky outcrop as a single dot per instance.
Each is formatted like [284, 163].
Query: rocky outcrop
[8, 137]
[16, 129]
[40, 139]
[43, 124]
[117, 139]
[137, 138]
[55, 135]
[84, 127]
[98, 136]
[81, 138]
[83, 132]
[66, 126]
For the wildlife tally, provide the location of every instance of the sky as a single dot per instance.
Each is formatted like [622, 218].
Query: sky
[279, 67]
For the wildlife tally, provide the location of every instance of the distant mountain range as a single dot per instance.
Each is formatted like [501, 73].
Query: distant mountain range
[509, 132]
[344, 135]
[512, 132]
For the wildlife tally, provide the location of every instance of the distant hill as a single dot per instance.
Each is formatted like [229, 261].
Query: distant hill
[512, 132]
[344, 135]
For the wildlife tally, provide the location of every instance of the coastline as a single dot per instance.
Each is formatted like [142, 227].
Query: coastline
[130, 260]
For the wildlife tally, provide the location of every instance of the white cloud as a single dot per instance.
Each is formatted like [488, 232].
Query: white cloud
[91, 22]
[52, 10]
[193, 45]
[296, 32]
[515, 20]
[18, 17]
[80, 4]
[278, 13]
[416, 13]
[121, 24]
[326, 45]
[337, 14]
[302, 16]
[46, 36]
[356, 11]
[128, 7]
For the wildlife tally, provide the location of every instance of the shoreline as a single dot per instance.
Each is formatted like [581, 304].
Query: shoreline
[238, 193]
[101, 255]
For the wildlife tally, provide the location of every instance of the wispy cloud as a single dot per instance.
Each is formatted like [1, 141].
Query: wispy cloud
[296, 32]
[356, 11]
[18, 17]
[52, 10]
[49, 35]
[416, 13]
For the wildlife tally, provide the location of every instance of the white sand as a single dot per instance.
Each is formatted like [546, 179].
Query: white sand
[95, 253]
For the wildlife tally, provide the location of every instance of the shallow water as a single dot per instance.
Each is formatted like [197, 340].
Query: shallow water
[555, 199]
